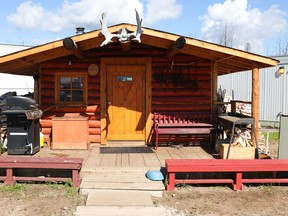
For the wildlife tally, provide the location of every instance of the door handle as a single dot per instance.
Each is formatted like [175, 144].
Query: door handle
[109, 103]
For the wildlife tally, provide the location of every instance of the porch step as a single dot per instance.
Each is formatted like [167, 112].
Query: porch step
[120, 211]
[119, 198]
[126, 143]
[120, 191]
[126, 180]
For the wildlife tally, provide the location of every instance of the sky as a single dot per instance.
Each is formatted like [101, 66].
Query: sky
[260, 24]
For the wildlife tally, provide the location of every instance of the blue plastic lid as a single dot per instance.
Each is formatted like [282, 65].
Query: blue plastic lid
[154, 175]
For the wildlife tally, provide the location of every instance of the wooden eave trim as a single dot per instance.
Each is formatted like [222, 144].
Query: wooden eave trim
[213, 47]
[31, 51]
[150, 37]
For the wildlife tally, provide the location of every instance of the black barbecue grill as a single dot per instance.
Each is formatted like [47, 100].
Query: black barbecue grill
[23, 126]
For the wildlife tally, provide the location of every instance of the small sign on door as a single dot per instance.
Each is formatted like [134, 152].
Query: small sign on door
[124, 78]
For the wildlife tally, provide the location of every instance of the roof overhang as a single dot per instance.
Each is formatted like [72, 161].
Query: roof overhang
[229, 60]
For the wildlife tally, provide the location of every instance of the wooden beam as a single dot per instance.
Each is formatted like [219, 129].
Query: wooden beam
[125, 46]
[255, 100]
[214, 85]
[176, 47]
[69, 44]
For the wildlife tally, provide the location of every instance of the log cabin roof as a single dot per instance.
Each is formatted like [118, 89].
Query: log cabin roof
[229, 60]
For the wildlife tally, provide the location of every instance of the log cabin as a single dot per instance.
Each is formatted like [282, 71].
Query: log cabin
[99, 94]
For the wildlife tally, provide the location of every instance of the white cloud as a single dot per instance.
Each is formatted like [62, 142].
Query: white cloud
[162, 10]
[248, 24]
[87, 13]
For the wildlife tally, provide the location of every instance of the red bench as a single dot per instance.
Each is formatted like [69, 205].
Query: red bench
[236, 166]
[10, 163]
[182, 123]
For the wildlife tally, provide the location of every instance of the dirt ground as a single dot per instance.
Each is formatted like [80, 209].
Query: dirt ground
[39, 199]
[256, 200]
[222, 200]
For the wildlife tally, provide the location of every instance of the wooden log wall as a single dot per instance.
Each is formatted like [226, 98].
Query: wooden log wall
[180, 84]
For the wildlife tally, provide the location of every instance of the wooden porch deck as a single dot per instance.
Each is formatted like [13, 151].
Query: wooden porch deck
[94, 160]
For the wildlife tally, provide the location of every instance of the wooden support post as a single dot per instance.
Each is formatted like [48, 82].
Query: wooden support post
[36, 78]
[214, 96]
[75, 178]
[69, 44]
[238, 185]
[255, 101]
[171, 182]
[233, 106]
[9, 177]
[214, 85]
[176, 47]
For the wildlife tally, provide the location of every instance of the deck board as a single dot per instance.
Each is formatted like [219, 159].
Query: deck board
[202, 153]
[118, 162]
[189, 152]
[125, 160]
[176, 153]
[136, 160]
[151, 160]
[108, 160]
[162, 154]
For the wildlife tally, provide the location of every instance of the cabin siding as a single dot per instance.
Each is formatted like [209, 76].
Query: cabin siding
[47, 101]
[190, 92]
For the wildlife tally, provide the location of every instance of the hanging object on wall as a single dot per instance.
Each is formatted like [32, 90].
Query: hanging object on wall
[123, 34]
[175, 76]
[93, 70]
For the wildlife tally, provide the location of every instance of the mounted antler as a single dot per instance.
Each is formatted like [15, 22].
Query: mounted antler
[123, 35]
[108, 36]
[138, 31]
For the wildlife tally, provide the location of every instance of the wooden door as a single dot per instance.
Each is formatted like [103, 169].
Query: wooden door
[125, 102]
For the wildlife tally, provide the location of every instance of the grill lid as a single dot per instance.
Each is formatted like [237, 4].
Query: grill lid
[19, 103]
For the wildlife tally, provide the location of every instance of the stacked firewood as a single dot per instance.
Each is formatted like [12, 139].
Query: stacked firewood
[242, 138]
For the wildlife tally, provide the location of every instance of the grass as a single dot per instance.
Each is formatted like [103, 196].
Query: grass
[3, 150]
[273, 136]
[67, 185]
[22, 187]
[15, 188]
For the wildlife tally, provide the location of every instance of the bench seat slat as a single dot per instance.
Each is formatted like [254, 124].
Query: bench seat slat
[39, 166]
[223, 162]
[172, 131]
[196, 125]
[20, 159]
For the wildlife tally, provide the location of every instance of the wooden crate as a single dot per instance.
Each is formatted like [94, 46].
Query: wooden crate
[237, 152]
[70, 132]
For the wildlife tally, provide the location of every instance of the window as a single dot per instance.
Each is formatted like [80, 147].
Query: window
[71, 88]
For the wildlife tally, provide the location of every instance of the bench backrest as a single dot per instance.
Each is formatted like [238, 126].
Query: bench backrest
[182, 118]
[222, 165]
